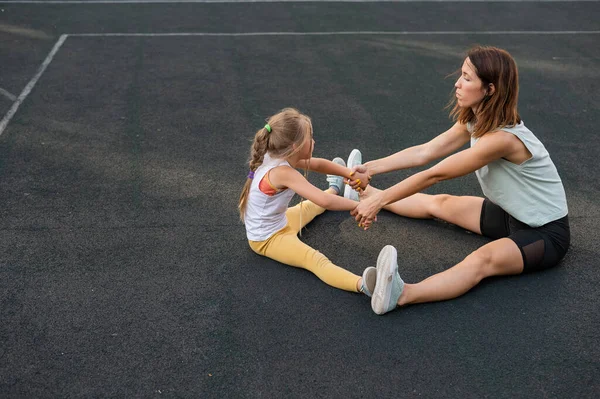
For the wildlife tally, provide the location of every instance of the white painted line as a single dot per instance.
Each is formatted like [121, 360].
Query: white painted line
[7, 94]
[31, 84]
[277, 1]
[377, 33]
[62, 39]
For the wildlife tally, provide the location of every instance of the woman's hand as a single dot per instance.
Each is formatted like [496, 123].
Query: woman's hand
[368, 208]
[360, 178]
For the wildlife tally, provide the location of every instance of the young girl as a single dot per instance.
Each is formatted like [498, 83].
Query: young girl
[285, 143]
[525, 212]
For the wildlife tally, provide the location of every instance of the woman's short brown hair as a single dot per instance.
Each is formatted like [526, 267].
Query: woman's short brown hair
[498, 109]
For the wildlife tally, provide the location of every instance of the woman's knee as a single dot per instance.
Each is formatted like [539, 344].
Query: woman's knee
[437, 205]
[482, 263]
[501, 257]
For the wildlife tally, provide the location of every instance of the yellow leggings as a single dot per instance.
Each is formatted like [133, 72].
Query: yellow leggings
[285, 247]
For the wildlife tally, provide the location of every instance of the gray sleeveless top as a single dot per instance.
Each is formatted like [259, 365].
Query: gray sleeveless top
[531, 192]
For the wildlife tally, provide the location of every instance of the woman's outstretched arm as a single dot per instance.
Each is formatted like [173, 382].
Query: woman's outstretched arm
[419, 155]
[489, 148]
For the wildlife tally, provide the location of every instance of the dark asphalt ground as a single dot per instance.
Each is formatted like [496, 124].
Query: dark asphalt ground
[124, 268]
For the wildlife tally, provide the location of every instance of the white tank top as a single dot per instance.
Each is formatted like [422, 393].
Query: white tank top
[531, 192]
[265, 214]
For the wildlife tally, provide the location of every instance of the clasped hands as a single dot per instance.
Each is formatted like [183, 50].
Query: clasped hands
[366, 211]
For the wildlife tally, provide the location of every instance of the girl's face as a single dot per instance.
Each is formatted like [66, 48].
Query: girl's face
[469, 88]
[307, 147]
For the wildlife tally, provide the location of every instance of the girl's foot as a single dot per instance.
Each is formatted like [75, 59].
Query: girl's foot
[369, 277]
[354, 159]
[336, 182]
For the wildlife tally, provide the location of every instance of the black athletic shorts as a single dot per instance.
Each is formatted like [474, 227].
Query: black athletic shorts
[541, 247]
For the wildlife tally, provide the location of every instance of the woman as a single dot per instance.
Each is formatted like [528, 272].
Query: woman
[525, 209]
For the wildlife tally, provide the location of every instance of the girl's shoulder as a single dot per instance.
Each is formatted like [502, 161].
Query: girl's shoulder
[282, 175]
[270, 161]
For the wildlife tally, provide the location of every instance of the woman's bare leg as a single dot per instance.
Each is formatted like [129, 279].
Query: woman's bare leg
[464, 211]
[500, 257]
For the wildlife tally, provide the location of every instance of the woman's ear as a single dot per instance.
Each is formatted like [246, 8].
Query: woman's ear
[491, 89]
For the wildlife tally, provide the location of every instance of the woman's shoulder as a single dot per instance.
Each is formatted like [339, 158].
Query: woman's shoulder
[521, 131]
[499, 137]
[515, 128]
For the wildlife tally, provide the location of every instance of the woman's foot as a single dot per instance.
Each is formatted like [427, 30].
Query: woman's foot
[389, 285]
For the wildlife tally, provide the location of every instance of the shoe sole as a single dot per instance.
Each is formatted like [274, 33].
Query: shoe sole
[387, 266]
[348, 191]
[367, 278]
[339, 161]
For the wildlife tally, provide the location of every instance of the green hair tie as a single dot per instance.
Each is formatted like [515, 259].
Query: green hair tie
[268, 128]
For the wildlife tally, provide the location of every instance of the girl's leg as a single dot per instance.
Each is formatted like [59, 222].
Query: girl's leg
[500, 257]
[303, 213]
[462, 211]
[285, 247]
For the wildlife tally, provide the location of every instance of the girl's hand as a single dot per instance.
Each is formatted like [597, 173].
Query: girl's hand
[366, 211]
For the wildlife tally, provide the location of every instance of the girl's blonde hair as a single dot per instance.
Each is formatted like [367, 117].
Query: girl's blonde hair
[496, 110]
[289, 131]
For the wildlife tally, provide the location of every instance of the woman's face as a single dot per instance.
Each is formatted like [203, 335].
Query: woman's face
[469, 88]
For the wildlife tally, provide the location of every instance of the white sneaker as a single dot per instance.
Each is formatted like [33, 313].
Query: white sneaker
[389, 285]
[337, 181]
[354, 159]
